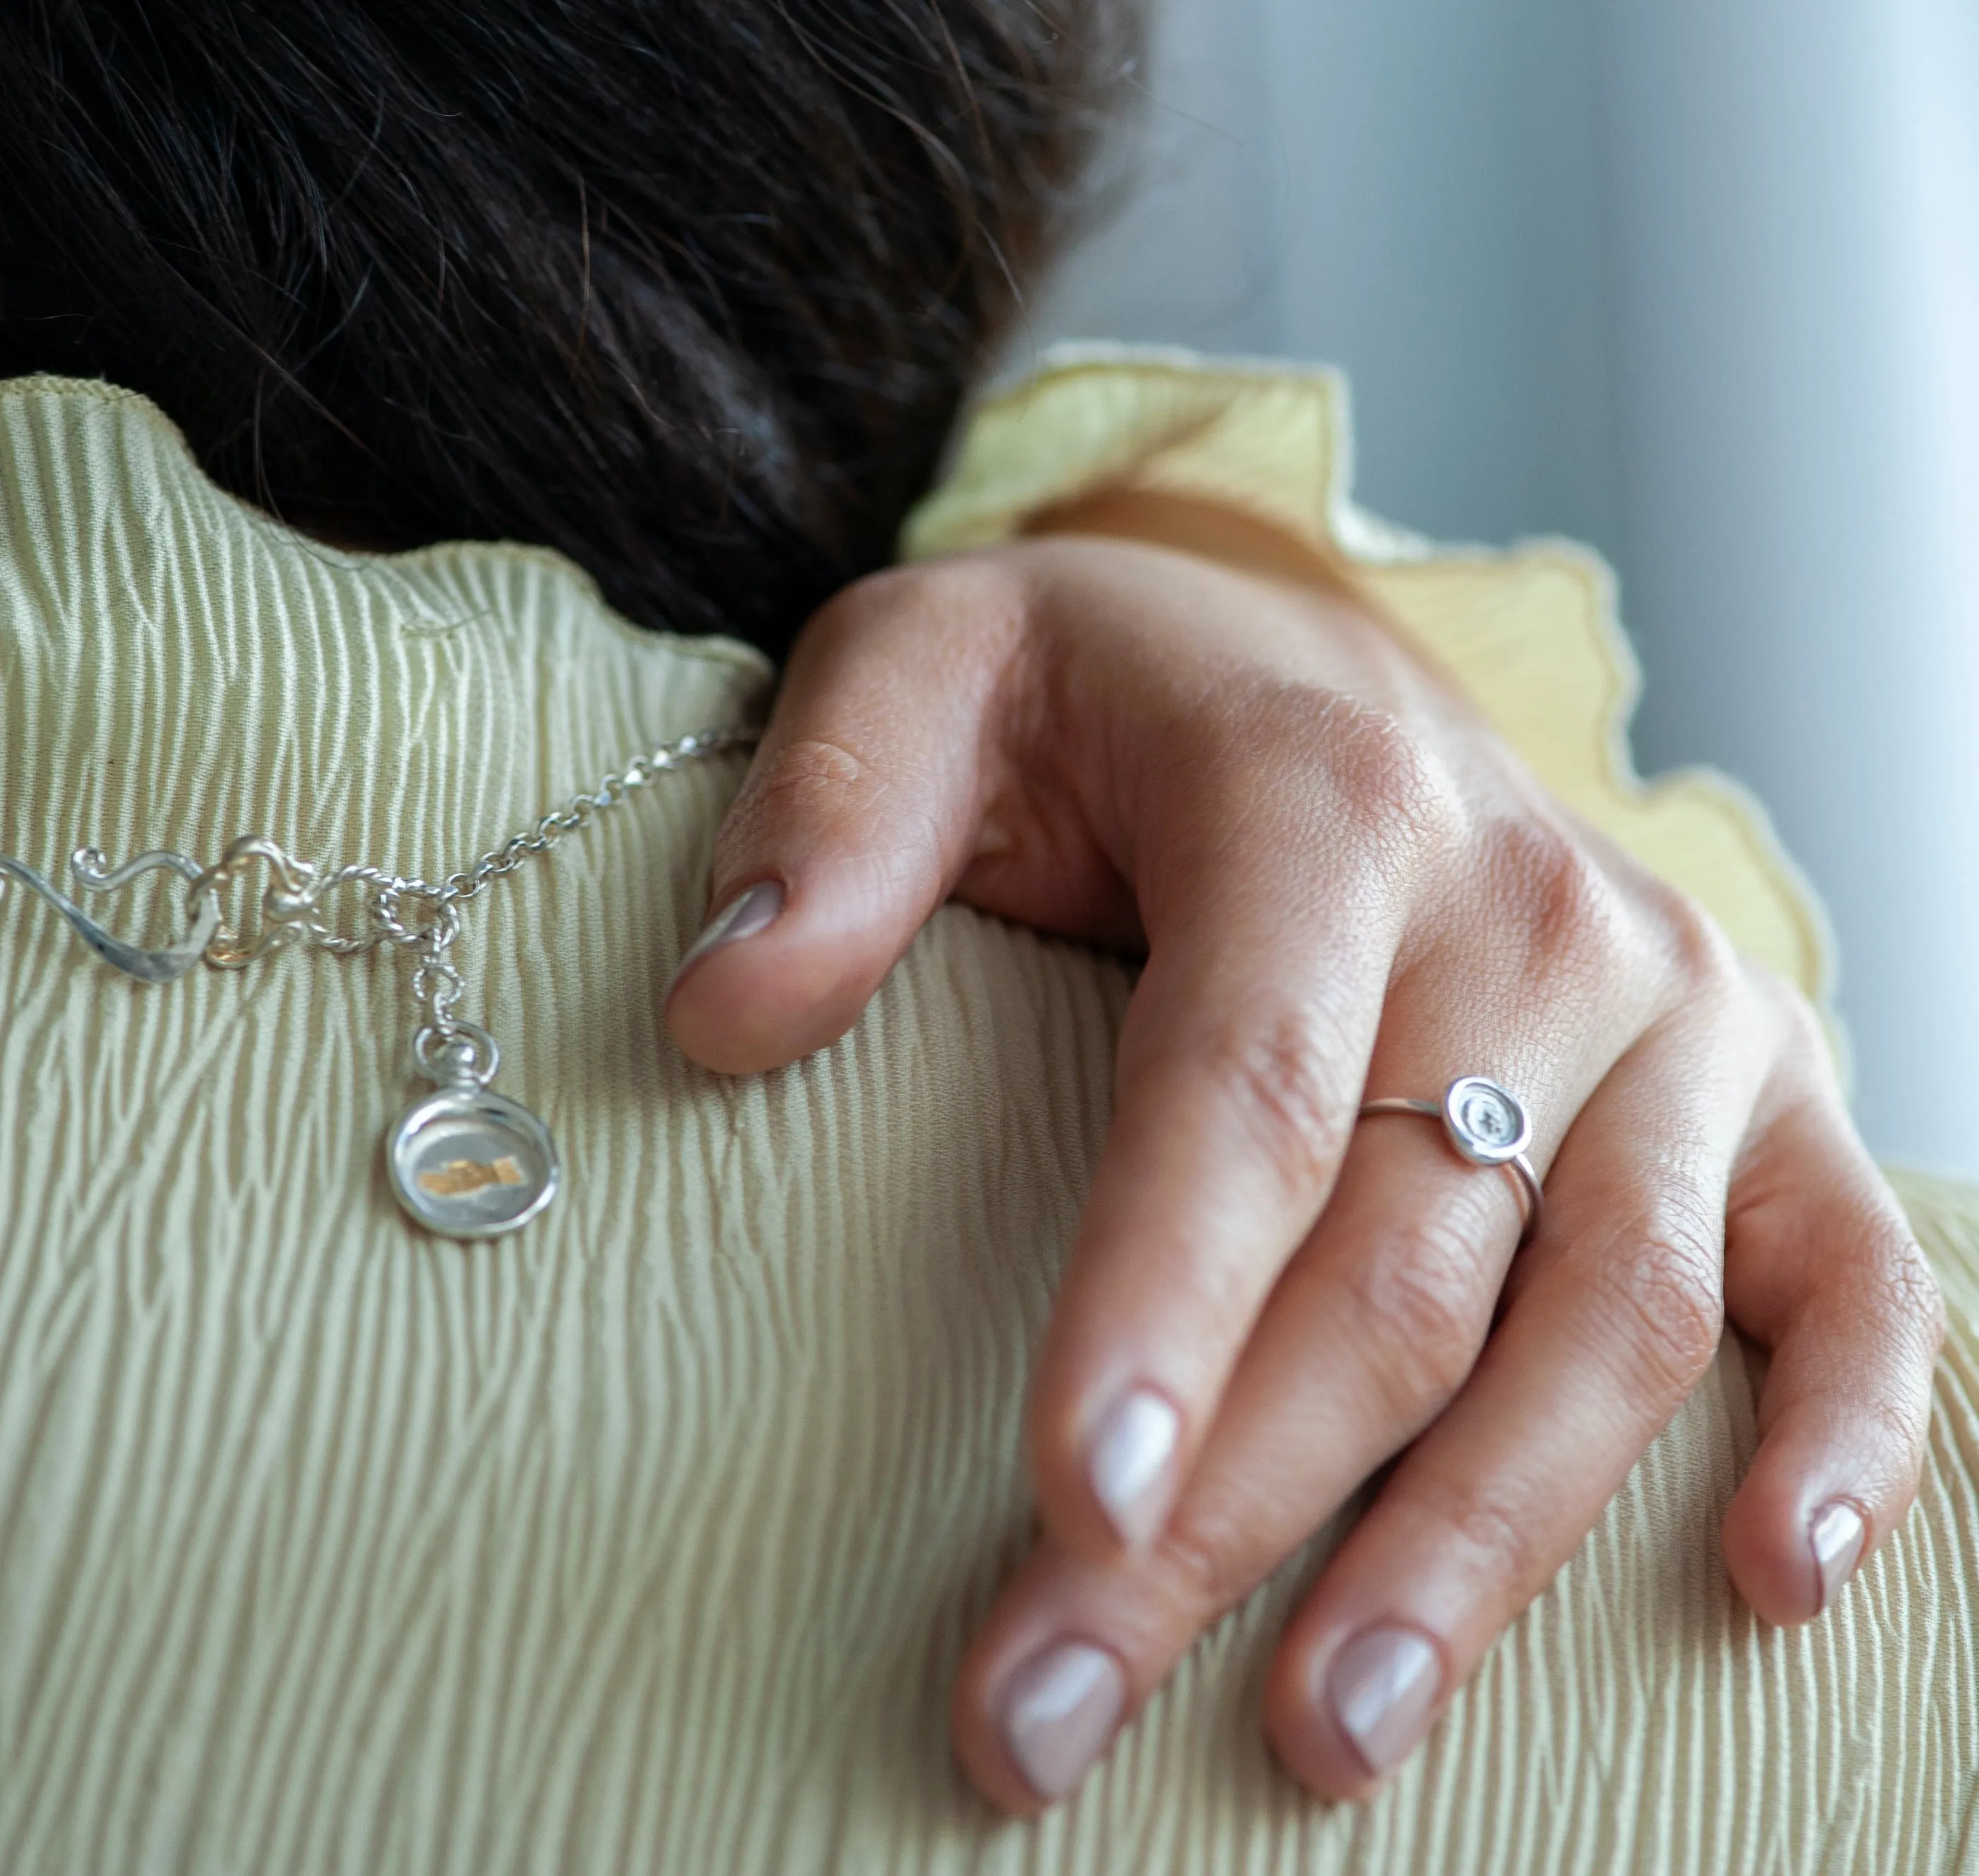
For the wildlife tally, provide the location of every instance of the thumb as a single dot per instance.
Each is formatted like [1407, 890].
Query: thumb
[858, 815]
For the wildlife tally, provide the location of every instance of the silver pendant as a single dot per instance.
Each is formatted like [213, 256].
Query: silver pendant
[465, 1161]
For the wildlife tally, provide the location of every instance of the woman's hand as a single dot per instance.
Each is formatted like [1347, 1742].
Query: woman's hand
[1347, 888]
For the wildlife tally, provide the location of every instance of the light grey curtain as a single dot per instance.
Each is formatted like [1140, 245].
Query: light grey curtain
[1695, 280]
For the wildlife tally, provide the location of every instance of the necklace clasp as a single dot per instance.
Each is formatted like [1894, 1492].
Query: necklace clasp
[163, 965]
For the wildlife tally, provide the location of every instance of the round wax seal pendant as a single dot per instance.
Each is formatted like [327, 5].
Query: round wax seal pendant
[467, 1162]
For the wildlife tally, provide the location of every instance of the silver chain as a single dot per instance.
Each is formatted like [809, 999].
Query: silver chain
[422, 916]
[465, 1161]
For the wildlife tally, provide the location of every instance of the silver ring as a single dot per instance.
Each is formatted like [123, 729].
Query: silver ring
[1487, 1125]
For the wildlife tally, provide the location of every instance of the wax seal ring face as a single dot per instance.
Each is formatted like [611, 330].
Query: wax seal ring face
[467, 1162]
[1486, 1124]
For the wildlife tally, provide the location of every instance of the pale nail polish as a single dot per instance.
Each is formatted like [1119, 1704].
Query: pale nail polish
[1062, 1708]
[1836, 1536]
[1382, 1687]
[1131, 1462]
[742, 917]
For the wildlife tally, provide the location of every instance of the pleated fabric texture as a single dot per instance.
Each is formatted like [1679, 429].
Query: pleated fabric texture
[647, 1541]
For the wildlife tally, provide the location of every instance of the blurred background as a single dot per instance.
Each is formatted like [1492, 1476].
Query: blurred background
[1696, 281]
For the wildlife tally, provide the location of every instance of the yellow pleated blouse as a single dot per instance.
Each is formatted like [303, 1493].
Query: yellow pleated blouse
[646, 1541]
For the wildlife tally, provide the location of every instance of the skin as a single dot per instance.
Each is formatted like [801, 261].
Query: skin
[1159, 727]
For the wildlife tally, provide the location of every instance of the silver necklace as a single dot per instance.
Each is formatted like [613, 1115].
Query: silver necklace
[464, 1160]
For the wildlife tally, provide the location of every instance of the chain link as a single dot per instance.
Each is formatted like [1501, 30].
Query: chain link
[422, 915]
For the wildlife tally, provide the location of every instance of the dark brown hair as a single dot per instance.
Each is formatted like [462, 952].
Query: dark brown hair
[686, 288]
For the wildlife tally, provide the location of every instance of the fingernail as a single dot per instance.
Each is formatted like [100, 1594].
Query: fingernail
[1836, 1534]
[1131, 1464]
[740, 918]
[1382, 1687]
[1062, 1709]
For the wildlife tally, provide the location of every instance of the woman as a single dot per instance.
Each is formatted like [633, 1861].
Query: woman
[690, 295]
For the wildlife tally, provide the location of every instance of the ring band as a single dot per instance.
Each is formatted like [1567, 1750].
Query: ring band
[1487, 1125]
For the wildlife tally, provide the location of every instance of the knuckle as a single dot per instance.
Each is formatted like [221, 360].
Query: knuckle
[803, 772]
[1565, 902]
[1658, 1292]
[1389, 769]
[1419, 1312]
[834, 802]
[1602, 927]
[1198, 1559]
[1494, 1533]
[1811, 1189]
[1397, 789]
[1907, 1294]
[1382, 782]
[1803, 1046]
[818, 784]
[1701, 956]
[1286, 1079]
